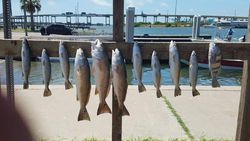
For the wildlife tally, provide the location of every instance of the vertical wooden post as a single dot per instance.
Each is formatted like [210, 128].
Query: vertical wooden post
[116, 119]
[243, 124]
[118, 20]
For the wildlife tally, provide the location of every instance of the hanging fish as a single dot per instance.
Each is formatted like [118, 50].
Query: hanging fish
[214, 63]
[64, 63]
[175, 67]
[83, 84]
[101, 72]
[156, 69]
[25, 55]
[137, 67]
[119, 79]
[46, 67]
[193, 73]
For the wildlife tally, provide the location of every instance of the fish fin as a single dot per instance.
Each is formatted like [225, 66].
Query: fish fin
[177, 91]
[25, 85]
[47, 92]
[103, 108]
[125, 111]
[141, 88]
[195, 92]
[96, 91]
[68, 85]
[215, 83]
[83, 114]
[158, 93]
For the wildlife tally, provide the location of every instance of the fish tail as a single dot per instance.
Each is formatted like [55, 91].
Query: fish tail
[125, 111]
[25, 85]
[141, 88]
[177, 91]
[215, 83]
[47, 92]
[68, 85]
[158, 93]
[195, 92]
[83, 114]
[103, 108]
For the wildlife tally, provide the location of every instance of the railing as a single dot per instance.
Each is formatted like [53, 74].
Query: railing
[229, 51]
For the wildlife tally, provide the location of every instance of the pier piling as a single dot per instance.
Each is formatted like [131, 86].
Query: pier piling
[129, 32]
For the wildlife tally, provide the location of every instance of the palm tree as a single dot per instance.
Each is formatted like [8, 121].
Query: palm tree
[32, 6]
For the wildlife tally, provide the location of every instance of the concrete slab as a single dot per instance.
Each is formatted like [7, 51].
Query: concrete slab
[56, 116]
[213, 114]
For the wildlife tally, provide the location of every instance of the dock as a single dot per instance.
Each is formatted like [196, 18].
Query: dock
[212, 115]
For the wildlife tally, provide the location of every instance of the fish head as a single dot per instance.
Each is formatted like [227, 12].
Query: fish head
[97, 45]
[116, 57]
[193, 53]
[154, 53]
[172, 44]
[61, 43]
[212, 44]
[25, 41]
[80, 53]
[44, 52]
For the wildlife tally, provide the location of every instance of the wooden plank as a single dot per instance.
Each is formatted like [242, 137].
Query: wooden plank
[229, 50]
[243, 124]
[118, 20]
[116, 119]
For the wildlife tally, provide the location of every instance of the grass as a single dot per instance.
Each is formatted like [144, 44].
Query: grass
[179, 119]
[135, 139]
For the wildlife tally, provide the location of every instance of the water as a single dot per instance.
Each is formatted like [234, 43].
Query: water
[214, 32]
[227, 77]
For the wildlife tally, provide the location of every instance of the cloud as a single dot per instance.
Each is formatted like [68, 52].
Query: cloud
[163, 4]
[101, 3]
[51, 2]
[137, 3]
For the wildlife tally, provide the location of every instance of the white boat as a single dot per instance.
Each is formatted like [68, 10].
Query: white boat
[228, 64]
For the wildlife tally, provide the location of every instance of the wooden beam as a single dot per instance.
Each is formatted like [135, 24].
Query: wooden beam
[229, 50]
[116, 118]
[118, 20]
[243, 123]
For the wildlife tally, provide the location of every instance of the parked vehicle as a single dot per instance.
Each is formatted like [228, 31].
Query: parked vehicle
[56, 29]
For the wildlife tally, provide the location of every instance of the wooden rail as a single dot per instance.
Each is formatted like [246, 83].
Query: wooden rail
[229, 50]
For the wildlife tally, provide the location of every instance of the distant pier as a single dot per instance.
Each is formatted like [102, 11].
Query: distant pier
[86, 20]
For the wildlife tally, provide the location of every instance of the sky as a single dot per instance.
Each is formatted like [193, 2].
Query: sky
[194, 7]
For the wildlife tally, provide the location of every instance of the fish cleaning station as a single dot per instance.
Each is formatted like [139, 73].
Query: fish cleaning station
[13, 48]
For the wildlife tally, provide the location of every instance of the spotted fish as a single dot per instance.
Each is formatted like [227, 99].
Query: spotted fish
[175, 67]
[214, 63]
[193, 72]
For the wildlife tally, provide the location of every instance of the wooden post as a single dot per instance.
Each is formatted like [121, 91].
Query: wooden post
[118, 20]
[243, 124]
[116, 119]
